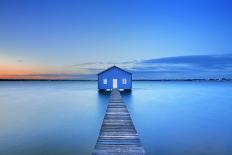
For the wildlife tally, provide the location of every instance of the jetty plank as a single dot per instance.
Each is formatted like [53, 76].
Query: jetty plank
[118, 135]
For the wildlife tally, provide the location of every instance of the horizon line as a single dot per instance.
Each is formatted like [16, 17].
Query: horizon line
[183, 79]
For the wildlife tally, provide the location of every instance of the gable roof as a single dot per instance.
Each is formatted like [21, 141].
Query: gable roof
[112, 68]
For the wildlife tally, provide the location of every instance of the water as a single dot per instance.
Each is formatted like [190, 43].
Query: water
[64, 118]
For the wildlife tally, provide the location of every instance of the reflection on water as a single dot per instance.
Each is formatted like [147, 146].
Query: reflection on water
[172, 118]
[49, 117]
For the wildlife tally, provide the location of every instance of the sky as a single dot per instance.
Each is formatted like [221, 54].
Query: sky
[158, 39]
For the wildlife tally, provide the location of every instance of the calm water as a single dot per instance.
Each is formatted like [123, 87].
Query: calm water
[64, 118]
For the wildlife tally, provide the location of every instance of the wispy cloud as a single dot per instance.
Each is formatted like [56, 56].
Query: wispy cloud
[179, 67]
[95, 67]
[205, 61]
[193, 66]
[196, 66]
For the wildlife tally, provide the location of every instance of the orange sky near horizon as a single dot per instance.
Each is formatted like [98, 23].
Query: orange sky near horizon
[29, 72]
[20, 71]
[35, 77]
[32, 68]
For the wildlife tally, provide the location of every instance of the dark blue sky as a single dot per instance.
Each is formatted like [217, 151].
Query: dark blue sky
[51, 37]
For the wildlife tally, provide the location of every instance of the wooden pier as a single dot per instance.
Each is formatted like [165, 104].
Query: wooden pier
[118, 135]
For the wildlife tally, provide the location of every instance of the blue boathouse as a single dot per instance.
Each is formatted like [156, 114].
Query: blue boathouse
[114, 77]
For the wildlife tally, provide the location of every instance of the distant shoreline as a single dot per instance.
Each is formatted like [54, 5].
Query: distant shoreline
[211, 79]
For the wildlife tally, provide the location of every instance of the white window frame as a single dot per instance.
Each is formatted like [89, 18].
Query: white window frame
[104, 81]
[124, 81]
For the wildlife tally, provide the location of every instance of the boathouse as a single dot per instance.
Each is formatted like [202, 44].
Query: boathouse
[114, 77]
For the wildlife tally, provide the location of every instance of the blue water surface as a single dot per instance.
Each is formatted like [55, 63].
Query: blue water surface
[64, 117]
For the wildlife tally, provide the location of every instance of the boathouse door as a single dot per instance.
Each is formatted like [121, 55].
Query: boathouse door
[115, 83]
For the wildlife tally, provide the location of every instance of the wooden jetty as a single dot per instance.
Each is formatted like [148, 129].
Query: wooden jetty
[118, 135]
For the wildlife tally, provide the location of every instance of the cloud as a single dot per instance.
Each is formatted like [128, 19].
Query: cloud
[20, 61]
[204, 61]
[195, 66]
[96, 67]
[179, 67]
[86, 64]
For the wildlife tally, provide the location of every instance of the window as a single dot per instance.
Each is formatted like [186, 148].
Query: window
[123, 81]
[104, 81]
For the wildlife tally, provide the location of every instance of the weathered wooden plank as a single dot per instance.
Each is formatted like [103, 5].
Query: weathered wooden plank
[118, 135]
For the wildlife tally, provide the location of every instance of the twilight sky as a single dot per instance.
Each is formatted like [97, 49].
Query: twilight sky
[71, 39]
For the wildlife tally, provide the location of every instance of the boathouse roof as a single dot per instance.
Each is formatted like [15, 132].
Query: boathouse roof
[112, 68]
